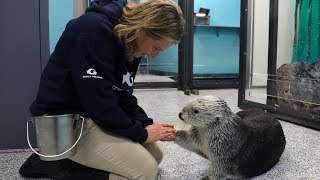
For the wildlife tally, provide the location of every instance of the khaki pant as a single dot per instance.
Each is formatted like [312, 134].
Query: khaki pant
[123, 158]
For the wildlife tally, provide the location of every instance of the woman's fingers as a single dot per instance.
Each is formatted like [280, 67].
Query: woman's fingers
[163, 132]
[167, 135]
[167, 125]
[168, 138]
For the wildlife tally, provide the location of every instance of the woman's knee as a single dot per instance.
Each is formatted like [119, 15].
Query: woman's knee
[150, 169]
[155, 150]
[158, 155]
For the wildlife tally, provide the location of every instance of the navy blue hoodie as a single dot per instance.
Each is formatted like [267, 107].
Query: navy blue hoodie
[89, 73]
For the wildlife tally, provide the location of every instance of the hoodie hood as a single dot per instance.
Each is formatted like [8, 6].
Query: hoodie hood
[110, 8]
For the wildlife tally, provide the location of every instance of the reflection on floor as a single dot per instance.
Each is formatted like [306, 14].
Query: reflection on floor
[258, 95]
[300, 159]
[152, 78]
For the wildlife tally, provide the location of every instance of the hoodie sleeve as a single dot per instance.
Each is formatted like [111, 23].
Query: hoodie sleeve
[93, 65]
[130, 105]
[130, 102]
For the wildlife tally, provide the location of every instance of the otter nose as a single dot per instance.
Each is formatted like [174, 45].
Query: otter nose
[180, 116]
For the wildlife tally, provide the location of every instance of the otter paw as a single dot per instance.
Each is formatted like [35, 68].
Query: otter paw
[205, 178]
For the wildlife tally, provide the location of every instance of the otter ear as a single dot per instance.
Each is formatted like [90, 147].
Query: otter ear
[217, 118]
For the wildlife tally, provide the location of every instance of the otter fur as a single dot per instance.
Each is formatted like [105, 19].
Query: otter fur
[241, 145]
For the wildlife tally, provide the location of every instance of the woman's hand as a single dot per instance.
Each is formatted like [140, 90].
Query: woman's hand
[160, 132]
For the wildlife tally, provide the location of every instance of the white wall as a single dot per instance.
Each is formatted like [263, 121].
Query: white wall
[261, 35]
[260, 41]
[285, 31]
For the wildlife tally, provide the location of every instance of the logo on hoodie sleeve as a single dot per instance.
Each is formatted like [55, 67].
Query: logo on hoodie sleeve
[125, 83]
[91, 73]
[127, 78]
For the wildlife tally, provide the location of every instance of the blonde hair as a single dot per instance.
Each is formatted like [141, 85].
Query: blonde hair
[160, 19]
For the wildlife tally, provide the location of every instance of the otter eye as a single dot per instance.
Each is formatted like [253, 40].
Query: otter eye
[196, 111]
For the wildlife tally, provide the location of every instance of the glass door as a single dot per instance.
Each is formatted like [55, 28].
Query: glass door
[258, 41]
[216, 43]
[280, 60]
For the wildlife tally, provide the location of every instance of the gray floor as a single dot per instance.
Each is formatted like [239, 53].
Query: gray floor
[300, 160]
[152, 78]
